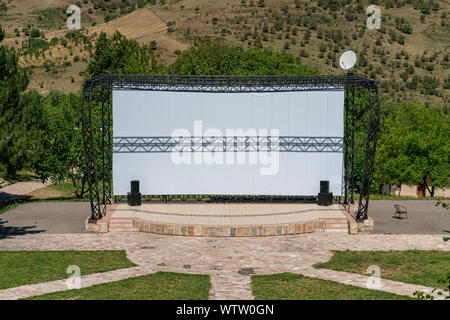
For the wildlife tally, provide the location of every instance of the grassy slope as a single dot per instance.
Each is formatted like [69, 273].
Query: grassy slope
[236, 25]
[141, 24]
[418, 267]
[26, 267]
[288, 286]
[158, 286]
[239, 23]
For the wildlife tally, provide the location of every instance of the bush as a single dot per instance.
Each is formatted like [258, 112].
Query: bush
[35, 33]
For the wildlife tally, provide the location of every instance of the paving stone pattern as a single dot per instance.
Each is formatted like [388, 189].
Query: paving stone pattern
[229, 261]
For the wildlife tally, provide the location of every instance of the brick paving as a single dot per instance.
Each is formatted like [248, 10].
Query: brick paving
[229, 261]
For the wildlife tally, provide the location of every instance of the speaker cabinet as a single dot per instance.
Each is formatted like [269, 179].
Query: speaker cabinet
[325, 199]
[134, 199]
[324, 186]
[135, 186]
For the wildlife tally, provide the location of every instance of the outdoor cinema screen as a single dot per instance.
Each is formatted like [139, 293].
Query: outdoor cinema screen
[234, 143]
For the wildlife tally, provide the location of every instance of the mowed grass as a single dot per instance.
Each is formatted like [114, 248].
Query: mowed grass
[412, 266]
[58, 191]
[157, 286]
[288, 286]
[19, 268]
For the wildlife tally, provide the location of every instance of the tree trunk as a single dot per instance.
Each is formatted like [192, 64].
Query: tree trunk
[79, 195]
[74, 182]
[83, 183]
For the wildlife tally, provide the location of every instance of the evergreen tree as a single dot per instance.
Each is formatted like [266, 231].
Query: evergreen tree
[117, 54]
[2, 33]
[13, 126]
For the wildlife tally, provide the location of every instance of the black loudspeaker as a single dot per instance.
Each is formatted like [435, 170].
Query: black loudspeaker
[135, 186]
[134, 197]
[325, 198]
[324, 186]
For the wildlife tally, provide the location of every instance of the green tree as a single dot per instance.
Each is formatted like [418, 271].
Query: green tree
[2, 33]
[415, 146]
[117, 54]
[219, 59]
[14, 120]
[60, 153]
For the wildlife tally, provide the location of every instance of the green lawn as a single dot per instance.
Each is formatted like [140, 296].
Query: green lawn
[288, 286]
[413, 266]
[52, 192]
[8, 206]
[158, 286]
[26, 267]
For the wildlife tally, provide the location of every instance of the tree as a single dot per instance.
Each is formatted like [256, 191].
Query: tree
[414, 147]
[60, 153]
[14, 120]
[2, 33]
[117, 54]
[219, 59]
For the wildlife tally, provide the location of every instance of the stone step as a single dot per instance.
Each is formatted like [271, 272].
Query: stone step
[121, 221]
[336, 226]
[133, 229]
[336, 230]
[121, 224]
[336, 220]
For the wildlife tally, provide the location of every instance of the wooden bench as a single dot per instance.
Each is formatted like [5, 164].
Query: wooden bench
[400, 211]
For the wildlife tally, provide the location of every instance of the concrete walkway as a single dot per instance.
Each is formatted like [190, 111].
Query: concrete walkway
[424, 217]
[18, 189]
[44, 217]
[229, 261]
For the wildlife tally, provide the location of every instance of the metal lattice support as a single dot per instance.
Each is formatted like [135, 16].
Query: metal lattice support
[97, 210]
[187, 83]
[220, 198]
[91, 97]
[226, 144]
[369, 157]
[349, 144]
[106, 146]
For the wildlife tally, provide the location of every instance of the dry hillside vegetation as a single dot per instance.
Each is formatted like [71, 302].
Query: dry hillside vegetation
[408, 56]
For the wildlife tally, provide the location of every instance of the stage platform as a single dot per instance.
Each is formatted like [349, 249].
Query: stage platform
[227, 219]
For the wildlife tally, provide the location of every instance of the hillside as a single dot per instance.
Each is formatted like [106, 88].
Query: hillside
[408, 56]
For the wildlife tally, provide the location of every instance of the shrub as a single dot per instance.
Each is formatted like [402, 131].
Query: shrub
[35, 33]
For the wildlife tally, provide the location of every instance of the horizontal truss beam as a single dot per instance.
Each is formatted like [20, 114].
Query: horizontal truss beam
[227, 144]
[222, 198]
[226, 84]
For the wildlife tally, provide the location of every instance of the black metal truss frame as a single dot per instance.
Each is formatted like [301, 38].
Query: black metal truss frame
[227, 144]
[221, 198]
[98, 154]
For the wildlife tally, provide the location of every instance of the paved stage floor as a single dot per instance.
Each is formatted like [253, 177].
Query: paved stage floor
[225, 214]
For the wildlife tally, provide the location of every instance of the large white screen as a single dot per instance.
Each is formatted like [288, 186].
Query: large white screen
[149, 114]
